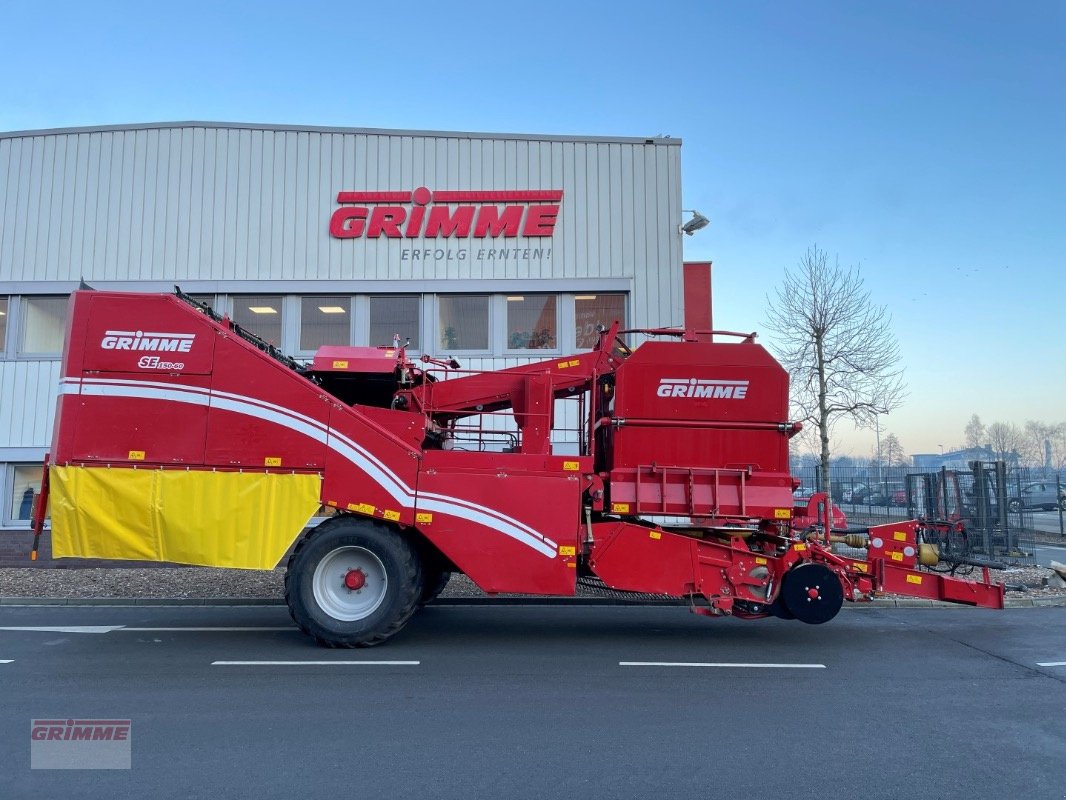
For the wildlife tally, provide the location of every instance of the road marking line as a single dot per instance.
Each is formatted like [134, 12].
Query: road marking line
[7, 661]
[716, 664]
[208, 630]
[1051, 663]
[63, 628]
[314, 663]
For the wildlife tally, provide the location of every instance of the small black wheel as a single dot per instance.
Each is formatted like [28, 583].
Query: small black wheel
[812, 593]
[433, 585]
[1014, 505]
[352, 582]
[1062, 504]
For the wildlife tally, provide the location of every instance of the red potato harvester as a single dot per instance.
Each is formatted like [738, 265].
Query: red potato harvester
[182, 438]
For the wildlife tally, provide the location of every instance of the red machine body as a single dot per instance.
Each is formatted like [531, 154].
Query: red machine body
[680, 484]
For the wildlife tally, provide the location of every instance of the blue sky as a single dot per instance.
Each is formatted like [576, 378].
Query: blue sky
[924, 141]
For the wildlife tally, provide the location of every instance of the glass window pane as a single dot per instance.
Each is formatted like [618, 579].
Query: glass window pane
[26, 486]
[532, 322]
[591, 310]
[43, 322]
[259, 314]
[394, 315]
[464, 322]
[325, 320]
[3, 324]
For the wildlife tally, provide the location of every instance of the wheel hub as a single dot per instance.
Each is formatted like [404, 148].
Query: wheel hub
[355, 579]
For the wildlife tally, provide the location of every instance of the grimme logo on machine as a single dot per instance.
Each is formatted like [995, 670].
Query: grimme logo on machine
[140, 340]
[698, 387]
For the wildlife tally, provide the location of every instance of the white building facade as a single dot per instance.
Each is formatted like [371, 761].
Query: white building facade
[495, 249]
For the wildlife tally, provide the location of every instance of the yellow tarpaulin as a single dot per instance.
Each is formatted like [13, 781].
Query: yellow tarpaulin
[213, 519]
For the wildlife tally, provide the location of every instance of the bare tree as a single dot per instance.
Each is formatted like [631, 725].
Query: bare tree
[975, 432]
[894, 453]
[837, 345]
[1005, 440]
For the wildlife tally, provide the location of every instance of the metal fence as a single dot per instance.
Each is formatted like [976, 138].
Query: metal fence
[1005, 511]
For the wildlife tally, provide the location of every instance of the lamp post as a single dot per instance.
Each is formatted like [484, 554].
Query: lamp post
[877, 429]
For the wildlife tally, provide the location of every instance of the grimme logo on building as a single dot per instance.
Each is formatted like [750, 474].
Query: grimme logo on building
[80, 743]
[148, 341]
[423, 214]
[696, 387]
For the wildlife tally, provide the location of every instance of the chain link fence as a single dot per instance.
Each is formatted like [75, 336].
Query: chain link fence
[1004, 511]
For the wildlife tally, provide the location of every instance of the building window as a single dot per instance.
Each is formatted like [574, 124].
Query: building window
[325, 320]
[532, 322]
[43, 323]
[464, 322]
[3, 324]
[25, 486]
[390, 316]
[591, 310]
[259, 314]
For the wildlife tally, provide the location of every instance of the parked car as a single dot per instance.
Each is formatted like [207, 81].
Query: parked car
[803, 493]
[882, 493]
[1039, 494]
[855, 493]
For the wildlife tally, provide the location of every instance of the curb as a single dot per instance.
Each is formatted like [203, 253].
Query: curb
[883, 602]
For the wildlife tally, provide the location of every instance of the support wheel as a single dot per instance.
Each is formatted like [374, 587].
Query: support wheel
[434, 584]
[812, 593]
[352, 583]
[1014, 505]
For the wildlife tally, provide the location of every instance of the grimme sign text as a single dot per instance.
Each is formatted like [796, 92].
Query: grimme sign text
[422, 214]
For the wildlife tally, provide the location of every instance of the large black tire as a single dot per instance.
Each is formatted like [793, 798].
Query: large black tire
[321, 602]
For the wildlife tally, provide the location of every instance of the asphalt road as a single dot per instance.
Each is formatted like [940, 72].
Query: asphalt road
[533, 701]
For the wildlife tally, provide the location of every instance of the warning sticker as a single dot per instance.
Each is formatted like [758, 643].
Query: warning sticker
[423, 517]
[567, 550]
[620, 508]
[914, 579]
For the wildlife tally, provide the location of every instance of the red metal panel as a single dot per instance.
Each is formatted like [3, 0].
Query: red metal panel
[510, 526]
[146, 333]
[167, 424]
[262, 413]
[369, 469]
[697, 279]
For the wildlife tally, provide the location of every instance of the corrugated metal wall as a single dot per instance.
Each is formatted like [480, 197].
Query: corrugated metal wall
[244, 204]
[204, 202]
[28, 391]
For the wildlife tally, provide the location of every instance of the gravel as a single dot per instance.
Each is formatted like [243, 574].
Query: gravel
[203, 582]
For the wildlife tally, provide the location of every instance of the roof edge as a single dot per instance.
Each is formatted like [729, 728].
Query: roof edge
[656, 140]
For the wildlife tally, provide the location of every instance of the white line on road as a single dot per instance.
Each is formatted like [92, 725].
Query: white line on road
[209, 630]
[314, 663]
[7, 660]
[716, 664]
[63, 628]
[1051, 663]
